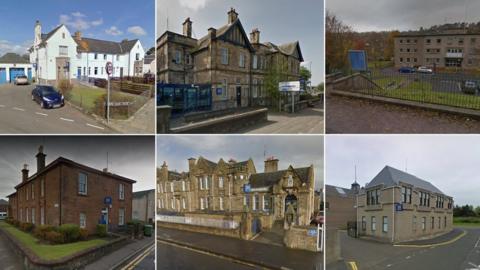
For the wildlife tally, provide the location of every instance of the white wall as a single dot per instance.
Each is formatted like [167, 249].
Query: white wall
[24, 66]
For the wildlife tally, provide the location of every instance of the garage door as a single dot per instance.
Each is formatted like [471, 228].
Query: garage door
[14, 72]
[3, 75]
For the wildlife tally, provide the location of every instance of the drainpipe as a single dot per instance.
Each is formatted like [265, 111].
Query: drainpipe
[393, 215]
[60, 196]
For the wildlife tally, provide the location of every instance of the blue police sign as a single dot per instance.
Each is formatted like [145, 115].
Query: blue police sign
[358, 60]
[219, 91]
[107, 200]
[312, 232]
[398, 207]
[247, 188]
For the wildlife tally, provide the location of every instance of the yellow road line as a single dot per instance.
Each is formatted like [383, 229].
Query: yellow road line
[353, 265]
[436, 245]
[138, 259]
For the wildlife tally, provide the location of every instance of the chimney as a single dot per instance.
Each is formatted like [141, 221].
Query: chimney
[105, 170]
[255, 36]
[271, 164]
[78, 35]
[40, 159]
[232, 15]
[164, 171]
[25, 173]
[187, 27]
[191, 163]
[38, 33]
[212, 32]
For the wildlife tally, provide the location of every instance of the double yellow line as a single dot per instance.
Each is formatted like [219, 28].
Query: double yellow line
[138, 259]
[353, 265]
[437, 244]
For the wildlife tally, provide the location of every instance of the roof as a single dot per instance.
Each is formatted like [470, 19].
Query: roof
[62, 160]
[389, 177]
[148, 59]
[45, 37]
[104, 46]
[3, 202]
[220, 32]
[142, 193]
[338, 191]
[287, 49]
[271, 178]
[13, 58]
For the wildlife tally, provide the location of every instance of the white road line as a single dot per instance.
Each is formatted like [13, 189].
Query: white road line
[94, 126]
[44, 114]
[478, 243]
[18, 109]
[408, 257]
[66, 119]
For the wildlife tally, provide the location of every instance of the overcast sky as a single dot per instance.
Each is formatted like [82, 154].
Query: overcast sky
[374, 15]
[279, 21]
[298, 151]
[449, 162]
[129, 156]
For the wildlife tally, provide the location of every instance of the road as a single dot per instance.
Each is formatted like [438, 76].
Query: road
[463, 254]
[8, 259]
[143, 261]
[170, 257]
[20, 115]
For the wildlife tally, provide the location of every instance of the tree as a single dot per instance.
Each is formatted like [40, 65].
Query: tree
[305, 73]
[338, 40]
[276, 73]
[390, 45]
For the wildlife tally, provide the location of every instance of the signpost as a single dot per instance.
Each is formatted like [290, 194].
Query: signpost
[290, 87]
[108, 202]
[247, 188]
[109, 70]
[358, 60]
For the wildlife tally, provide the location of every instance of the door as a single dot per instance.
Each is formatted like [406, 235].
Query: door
[239, 96]
[3, 75]
[256, 226]
[29, 74]
[121, 72]
[79, 73]
[15, 72]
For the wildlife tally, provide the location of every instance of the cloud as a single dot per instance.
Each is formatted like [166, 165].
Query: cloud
[78, 21]
[137, 30]
[193, 4]
[113, 31]
[78, 14]
[8, 46]
[97, 22]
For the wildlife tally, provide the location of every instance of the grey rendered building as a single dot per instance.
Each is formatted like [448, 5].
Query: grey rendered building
[143, 205]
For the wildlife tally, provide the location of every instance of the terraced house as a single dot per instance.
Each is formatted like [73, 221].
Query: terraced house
[233, 187]
[66, 192]
[397, 206]
[226, 62]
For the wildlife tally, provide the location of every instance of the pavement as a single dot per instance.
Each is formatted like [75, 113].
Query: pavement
[250, 253]
[20, 115]
[9, 260]
[453, 235]
[127, 253]
[461, 254]
[143, 122]
[360, 116]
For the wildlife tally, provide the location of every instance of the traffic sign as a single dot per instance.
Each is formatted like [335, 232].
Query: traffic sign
[109, 68]
[107, 200]
[247, 188]
[289, 86]
[398, 207]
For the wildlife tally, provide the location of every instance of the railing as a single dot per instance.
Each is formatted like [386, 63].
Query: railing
[206, 222]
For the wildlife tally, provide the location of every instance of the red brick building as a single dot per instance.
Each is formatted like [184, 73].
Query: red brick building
[66, 192]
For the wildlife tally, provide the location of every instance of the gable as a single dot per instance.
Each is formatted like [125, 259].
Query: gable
[235, 34]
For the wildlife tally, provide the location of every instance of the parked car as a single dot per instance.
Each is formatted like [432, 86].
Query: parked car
[21, 79]
[470, 87]
[47, 96]
[424, 70]
[406, 70]
[3, 215]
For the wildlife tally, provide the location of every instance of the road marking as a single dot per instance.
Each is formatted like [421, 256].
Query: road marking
[18, 109]
[408, 257]
[90, 125]
[43, 114]
[435, 245]
[138, 259]
[478, 243]
[353, 265]
[66, 119]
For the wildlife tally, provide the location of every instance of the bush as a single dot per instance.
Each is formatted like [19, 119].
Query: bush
[65, 86]
[101, 230]
[27, 227]
[55, 237]
[83, 234]
[42, 230]
[70, 232]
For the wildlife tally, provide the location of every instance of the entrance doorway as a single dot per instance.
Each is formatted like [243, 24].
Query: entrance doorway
[239, 96]
[291, 199]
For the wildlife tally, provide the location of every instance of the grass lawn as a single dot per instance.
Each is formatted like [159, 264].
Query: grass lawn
[379, 64]
[466, 221]
[85, 96]
[50, 252]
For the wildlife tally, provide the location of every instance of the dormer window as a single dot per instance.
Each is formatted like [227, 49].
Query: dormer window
[290, 181]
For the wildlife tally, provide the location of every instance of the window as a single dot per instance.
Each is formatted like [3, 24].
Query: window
[433, 223]
[137, 56]
[33, 215]
[374, 224]
[63, 50]
[206, 178]
[414, 223]
[364, 223]
[26, 193]
[95, 70]
[424, 199]
[95, 56]
[256, 202]
[424, 223]
[183, 185]
[63, 35]
[33, 191]
[428, 41]
[290, 181]
[202, 204]
[121, 192]
[406, 194]
[42, 188]
[171, 186]
[220, 203]
[184, 203]
[89, 70]
[28, 216]
[439, 40]
[255, 62]
[373, 197]
[172, 203]
[224, 56]
[439, 222]
[118, 57]
[445, 222]
[266, 202]
[178, 57]
[200, 182]
[385, 224]
[82, 184]
[220, 182]
[42, 216]
[121, 216]
[246, 200]
[241, 60]
[208, 202]
[83, 220]
[104, 57]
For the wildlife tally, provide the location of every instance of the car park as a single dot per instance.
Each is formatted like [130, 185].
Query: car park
[406, 70]
[47, 96]
[21, 80]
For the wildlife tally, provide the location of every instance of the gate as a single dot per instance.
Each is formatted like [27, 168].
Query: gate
[352, 229]
[256, 226]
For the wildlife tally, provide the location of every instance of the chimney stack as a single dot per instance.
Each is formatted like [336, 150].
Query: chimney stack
[212, 32]
[255, 36]
[40, 159]
[25, 173]
[232, 15]
[78, 35]
[38, 33]
[271, 164]
[164, 171]
[191, 163]
[187, 27]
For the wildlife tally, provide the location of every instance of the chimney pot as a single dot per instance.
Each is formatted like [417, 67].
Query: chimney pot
[255, 36]
[191, 163]
[232, 15]
[187, 27]
[25, 173]
[40, 159]
[78, 35]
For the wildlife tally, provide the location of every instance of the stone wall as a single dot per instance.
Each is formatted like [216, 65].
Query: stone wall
[354, 82]
[163, 118]
[201, 229]
[297, 237]
[332, 245]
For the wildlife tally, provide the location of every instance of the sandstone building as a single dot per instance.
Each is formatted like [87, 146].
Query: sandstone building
[340, 205]
[226, 62]
[66, 192]
[396, 206]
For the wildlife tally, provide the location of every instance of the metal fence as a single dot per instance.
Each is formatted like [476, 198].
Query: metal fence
[451, 89]
[197, 221]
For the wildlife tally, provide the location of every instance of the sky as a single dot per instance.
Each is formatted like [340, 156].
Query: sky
[279, 21]
[448, 162]
[374, 15]
[105, 19]
[129, 156]
[298, 151]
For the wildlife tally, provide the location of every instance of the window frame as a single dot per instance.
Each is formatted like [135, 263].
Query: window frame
[79, 184]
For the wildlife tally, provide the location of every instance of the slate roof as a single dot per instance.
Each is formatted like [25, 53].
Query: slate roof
[205, 40]
[288, 48]
[105, 46]
[338, 191]
[389, 176]
[3, 202]
[142, 193]
[174, 176]
[271, 178]
[13, 58]
[148, 59]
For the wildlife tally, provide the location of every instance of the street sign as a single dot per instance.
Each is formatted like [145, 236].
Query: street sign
[398, 207]
[119, 103]
[107, 200]
[289, 86]
[219, 91]
[358, 60]
[109, 68]
[312, 232]
[247, 188]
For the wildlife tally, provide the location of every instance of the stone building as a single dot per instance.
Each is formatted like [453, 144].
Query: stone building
[447, 48]
[233, 65]
[235, 187]
[65, 191]
[340, 205]
[397, 206]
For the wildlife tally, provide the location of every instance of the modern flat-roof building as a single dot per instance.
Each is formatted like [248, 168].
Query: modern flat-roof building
[340, 205]
[454, 47]
[397, 206]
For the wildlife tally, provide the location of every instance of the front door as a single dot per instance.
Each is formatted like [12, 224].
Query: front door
[79, 73]
[239, 96]
[121, 72]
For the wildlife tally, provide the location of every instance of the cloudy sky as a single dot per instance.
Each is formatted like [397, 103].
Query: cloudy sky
[279, 21]
[129, 156]
[104, 19]
[449, 162]
[298, 151]
[374, 15]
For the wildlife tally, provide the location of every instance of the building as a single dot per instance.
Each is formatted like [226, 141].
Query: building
[58, 55]
[397, 206]
[452, 47]
[149, 65]
[13, 65]
[66, 192]
[233, 66]
[4, 206]
[231, 187]
[143, 206]
[340, 205]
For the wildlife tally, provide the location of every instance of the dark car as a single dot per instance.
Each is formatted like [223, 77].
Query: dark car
[406, 70]
[47, 96]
